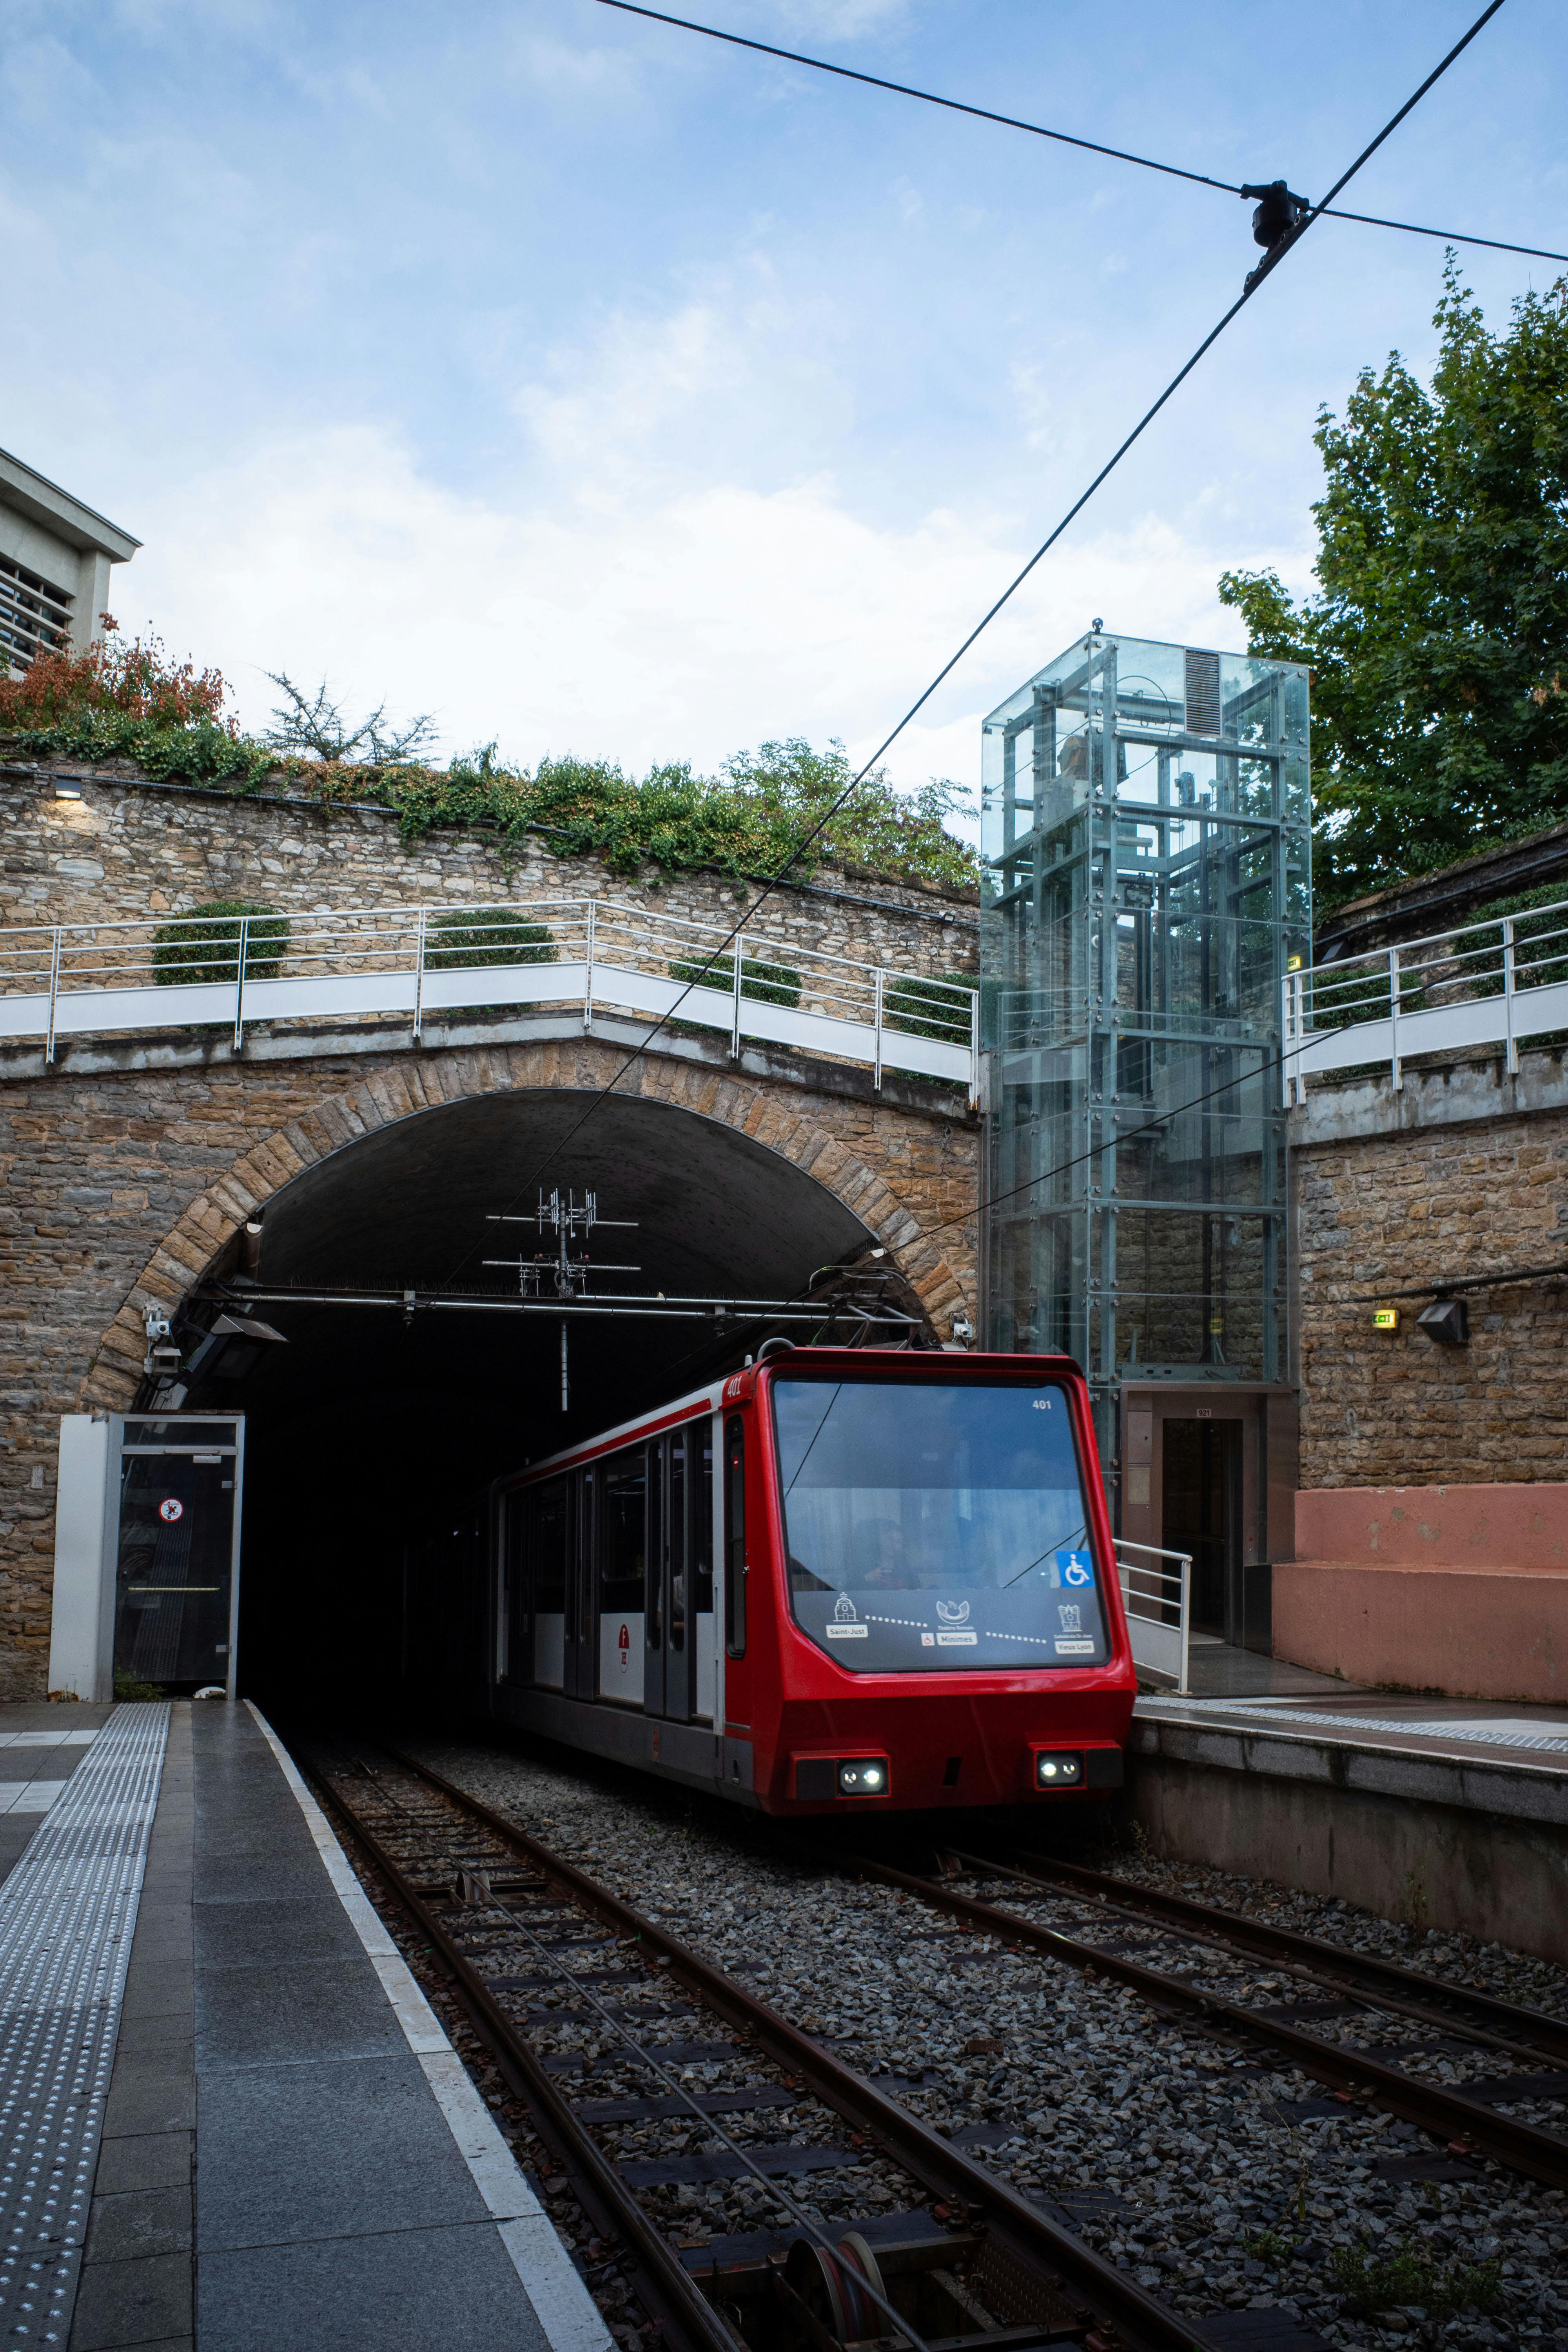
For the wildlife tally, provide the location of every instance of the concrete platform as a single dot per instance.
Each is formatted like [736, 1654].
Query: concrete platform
[1446, 1813]
[288, 2152]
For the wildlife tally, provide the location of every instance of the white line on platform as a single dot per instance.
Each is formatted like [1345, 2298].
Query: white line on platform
[566, 2311]
[30, 1796]
[47, 1739]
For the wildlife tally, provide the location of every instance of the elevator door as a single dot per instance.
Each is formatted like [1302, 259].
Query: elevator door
[1203, 1503]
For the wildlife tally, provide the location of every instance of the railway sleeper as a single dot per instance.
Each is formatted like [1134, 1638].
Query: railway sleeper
[1352, 2073]
[989, 2249]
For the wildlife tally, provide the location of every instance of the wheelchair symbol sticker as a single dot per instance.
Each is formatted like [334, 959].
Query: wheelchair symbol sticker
[1075, 1568]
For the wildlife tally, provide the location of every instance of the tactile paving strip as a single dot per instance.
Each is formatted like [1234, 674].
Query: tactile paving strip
[68, 1913]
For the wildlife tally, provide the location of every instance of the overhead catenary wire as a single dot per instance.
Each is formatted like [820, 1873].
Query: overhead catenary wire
[775, 881]
[1042, 130]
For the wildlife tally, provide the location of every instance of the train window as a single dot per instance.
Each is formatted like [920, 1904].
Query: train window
[550, 1513]
[936, 1526]
[678, 1546]
[735, 1538]
[623, 1553]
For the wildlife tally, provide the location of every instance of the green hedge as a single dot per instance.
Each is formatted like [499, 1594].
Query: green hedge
[766, 984]
[204, 944]
[930, 1008]
[486, 935]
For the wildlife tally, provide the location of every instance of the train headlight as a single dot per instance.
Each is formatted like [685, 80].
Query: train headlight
[1059, 1769]
[863, 1776]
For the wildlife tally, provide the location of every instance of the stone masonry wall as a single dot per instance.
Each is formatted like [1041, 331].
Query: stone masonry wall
[1387, 1211]
[129, 851]
[120, 1185]
[121, 1188]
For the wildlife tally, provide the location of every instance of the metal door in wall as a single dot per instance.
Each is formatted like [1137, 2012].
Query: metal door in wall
[1228, 1497]
[177, 1586]
[1201, 1514]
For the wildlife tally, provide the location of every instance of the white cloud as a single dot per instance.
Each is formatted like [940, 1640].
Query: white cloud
[666, 568]
[683, 623]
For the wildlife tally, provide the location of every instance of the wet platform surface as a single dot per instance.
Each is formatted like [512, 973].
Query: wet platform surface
[267, 2039]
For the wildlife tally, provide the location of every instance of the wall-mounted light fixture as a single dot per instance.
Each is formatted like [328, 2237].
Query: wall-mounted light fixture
[1446, 1321]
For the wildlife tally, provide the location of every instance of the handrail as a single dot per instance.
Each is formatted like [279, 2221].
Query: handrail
[588, 955]
[1487, 982]
[1179, 1600]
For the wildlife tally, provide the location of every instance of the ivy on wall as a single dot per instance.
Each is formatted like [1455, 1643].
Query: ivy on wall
[131, 702]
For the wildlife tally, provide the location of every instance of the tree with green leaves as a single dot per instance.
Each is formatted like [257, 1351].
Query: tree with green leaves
[1439, 636]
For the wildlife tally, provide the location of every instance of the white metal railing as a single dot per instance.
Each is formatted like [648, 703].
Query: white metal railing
[1486, 983]
[1158, 1601]
[578, 956]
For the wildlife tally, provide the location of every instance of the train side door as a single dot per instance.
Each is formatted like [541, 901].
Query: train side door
[681, 1656]
[656, 1660]
[581, 1629]
[703, 1624]
[670, 1634]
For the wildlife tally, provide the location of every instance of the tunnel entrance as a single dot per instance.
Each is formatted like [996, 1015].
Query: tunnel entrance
[367, 1428]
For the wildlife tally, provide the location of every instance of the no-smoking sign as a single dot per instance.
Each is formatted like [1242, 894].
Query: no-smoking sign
[170, 1509]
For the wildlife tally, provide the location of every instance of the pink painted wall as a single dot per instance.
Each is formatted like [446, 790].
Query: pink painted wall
[1521, 1529]
[1472, 1632]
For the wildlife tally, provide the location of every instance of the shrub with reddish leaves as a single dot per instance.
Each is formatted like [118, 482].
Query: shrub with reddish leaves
[137, 679]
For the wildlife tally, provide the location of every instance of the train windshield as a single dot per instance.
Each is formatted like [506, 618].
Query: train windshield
[931, 1527]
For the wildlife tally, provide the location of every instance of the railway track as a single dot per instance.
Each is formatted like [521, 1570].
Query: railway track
[577, 1994]
[1102, 1926]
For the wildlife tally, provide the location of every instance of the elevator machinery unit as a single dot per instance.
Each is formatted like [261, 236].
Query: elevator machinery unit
[1147, 833]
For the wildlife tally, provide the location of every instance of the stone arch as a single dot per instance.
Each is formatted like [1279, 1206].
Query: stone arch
[787, 1119]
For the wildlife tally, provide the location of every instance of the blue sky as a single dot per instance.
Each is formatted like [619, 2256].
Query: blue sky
[598, 387]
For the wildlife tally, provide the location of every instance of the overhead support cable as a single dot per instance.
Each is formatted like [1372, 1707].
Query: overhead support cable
[1044, 131]
[1270, 261]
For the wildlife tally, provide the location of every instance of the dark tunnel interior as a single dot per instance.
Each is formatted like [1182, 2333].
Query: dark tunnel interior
[367, 1426]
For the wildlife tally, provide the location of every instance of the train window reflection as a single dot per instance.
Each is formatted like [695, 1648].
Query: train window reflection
[935, 1527]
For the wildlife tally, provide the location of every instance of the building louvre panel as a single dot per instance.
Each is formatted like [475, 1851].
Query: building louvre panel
[35, 615]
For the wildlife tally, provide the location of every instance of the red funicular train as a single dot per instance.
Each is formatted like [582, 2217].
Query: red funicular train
[840, 1576]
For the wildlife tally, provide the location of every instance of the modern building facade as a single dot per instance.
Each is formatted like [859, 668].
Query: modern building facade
[55, 560]
[1147, 831]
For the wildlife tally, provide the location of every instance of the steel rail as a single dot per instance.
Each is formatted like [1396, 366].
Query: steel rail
[1389, 2003]
[1036, 2241]
[1526, 2032]
[1448, 2113]
[676, 2296]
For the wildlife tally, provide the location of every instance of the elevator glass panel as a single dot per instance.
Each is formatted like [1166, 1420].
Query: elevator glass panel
[1147, 888]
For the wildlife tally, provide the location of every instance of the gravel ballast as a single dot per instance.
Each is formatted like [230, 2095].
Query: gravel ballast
[1188, 2162]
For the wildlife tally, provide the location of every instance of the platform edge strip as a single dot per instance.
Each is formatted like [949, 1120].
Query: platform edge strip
[566, 2312]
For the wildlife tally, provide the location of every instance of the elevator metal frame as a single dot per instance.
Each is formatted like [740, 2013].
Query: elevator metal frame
[1148, 885]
